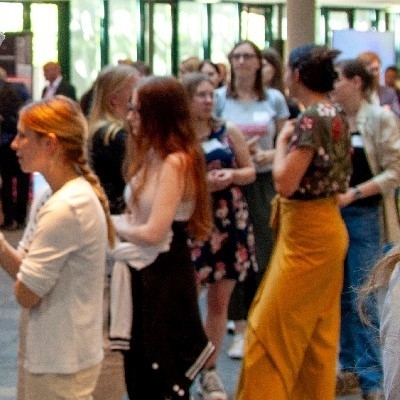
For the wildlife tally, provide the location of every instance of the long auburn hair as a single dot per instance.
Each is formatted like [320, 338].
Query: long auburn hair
[165, 128]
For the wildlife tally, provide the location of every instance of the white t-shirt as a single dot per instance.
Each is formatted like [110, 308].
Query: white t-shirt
[65, 265]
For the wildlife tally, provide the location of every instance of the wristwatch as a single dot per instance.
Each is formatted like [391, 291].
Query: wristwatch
[357, 194]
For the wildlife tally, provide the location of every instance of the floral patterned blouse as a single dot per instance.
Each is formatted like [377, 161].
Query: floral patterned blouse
[323, 127]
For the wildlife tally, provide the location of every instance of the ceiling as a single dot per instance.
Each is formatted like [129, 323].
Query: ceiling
[360, 3]
[382, 4]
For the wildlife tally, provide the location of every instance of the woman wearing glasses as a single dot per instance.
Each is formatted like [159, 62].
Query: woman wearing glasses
[259, 112]
[167, 199]
[229, 255]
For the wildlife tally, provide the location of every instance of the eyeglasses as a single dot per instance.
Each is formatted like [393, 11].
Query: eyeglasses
[133, 108]
[204, 95]
[245, 56]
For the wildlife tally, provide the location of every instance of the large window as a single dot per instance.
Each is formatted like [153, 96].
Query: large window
[161, 38]
[122, 30]
[192, 29]
[85, 28]
[44, 24]
[225, 30]
[253, 26]
[11, 17]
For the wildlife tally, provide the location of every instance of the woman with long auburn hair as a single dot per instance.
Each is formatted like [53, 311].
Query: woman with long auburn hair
[167, 199]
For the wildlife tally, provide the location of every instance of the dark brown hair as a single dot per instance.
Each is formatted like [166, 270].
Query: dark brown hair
[272, 56]
[354, 67]
[258, 84]
[315, 66]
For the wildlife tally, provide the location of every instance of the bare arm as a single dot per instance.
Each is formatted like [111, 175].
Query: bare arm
[265, 157]
[245, 173]
[366, 189]
[289, 168]
[168, 195]
[10, 260]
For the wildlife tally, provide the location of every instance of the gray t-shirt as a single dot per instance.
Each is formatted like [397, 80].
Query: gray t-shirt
[254, 118]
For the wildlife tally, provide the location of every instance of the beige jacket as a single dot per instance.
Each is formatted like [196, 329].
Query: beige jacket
[380, 130]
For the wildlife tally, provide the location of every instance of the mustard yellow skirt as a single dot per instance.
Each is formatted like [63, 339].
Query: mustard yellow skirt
[293, 325]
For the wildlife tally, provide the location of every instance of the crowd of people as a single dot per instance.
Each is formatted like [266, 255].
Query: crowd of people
[272, 188]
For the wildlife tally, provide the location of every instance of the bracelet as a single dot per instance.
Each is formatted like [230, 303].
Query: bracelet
[357, 194]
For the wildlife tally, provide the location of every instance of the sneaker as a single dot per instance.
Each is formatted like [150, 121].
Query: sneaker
[211, 385]
[347, 384]
[375, 395]
[236, 349]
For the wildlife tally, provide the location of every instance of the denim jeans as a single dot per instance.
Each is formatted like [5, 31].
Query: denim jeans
[360, 350]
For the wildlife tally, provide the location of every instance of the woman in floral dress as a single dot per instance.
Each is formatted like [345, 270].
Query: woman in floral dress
[229, 255]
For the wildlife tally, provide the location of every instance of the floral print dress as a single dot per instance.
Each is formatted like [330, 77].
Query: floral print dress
[230, 253]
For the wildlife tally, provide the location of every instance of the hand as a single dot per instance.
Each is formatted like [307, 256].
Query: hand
[263, 157]
[344, 199]
[220, 179]
[120, 220]
[116, 219]
[252, 144]
[287, 131]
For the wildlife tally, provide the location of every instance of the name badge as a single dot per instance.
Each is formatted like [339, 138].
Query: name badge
[261, 116]
[357, 141]
[211, 145]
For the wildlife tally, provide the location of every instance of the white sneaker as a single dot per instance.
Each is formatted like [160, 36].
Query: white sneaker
[211, 385]
[230, 327]
[236, 350]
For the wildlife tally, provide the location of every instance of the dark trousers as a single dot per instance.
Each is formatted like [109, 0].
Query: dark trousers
[14, 209]
[167, 332]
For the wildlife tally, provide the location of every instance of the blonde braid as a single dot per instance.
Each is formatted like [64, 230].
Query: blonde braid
[92, 178]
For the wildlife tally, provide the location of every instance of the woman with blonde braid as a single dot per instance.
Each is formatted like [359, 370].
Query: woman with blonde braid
[59, 278]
